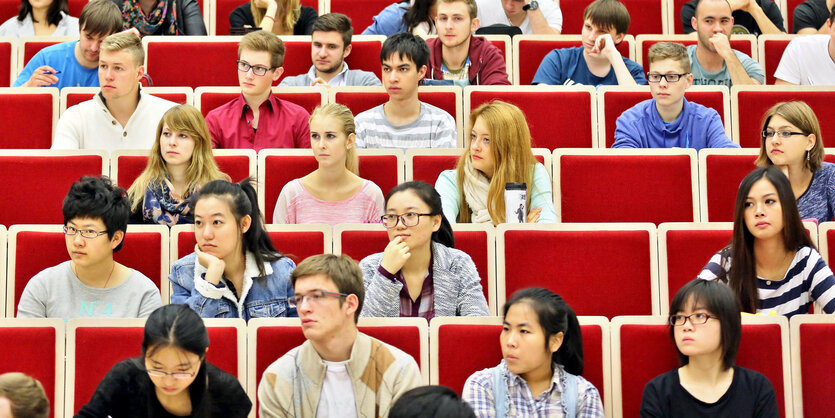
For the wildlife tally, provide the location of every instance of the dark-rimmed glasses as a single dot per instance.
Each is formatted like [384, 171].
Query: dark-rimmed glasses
[258, 70]
[780, 134]
[671, 78]
[695, 319]
[176, 375]
[86, 233]
[313, 297]
[409, 219]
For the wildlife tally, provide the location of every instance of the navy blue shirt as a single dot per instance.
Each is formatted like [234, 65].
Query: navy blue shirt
[566, 66]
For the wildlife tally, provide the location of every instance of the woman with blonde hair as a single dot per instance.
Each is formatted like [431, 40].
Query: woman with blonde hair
[791, 140]
[499, 152]
[333, 193]
[281, 17]
[180, 163]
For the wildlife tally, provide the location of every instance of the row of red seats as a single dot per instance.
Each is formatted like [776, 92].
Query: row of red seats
[621, 356]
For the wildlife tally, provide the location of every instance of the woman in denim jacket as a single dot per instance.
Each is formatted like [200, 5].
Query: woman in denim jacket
[234, 271]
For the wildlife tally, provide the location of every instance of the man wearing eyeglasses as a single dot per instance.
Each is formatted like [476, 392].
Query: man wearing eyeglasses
[338, 371]
[668, 120]
[257, 118]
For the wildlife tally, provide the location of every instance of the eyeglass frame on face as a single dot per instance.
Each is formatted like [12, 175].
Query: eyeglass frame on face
[783, 134]
[84, 234]
[315, 297]
[176, 375]
[401, 218]
[665, 77]
[673, 319]
[255, 68]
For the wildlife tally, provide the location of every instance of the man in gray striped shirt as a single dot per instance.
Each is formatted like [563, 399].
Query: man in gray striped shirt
[404, 121]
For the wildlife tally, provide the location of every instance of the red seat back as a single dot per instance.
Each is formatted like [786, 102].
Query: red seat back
[361, 12]
[723, 174]
[6, 61]
[427, 168]
[754, 103]
[27, 120]
[790, 6]
[359, 102]
[533, 51]
[645, 16]
[30, 48]
[741, 45]
[31, 350]
[131, 166]
[212, 99]
[76, 98]
[297, 245]
[688, 251]
[365, 55]
[773, 51]
[212, 63]
[817, 348]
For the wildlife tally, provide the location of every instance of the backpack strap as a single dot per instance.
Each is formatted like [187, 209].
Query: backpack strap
[569, 395]
[500, 391]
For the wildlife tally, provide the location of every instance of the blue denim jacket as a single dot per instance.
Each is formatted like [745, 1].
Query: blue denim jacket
[262, 296]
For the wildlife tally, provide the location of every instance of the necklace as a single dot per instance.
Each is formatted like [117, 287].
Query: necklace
[72, 267]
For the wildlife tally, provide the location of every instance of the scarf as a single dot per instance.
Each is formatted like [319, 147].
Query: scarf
[160, 16]
[476, 187]
[163, 206]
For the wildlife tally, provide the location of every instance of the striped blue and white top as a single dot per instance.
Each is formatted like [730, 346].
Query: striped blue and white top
[434, 128]
[808, 280]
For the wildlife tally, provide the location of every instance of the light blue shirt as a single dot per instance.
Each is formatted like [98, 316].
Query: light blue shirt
[61, 57]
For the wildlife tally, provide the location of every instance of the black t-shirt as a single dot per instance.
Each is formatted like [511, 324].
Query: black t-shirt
[242, 15]
[127, 391]
[809, 14]
[744, 23]
[750, 395]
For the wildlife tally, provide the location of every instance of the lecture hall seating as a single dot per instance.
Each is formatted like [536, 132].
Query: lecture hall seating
[746, 44]
[361, 12]
[36, 347]
[365, 54]
[30, 45]
[71, 96]
[720, 172]
[530, 50]
[28, 116]
[200, 60]
[812, 348]
[771, 49]
[208, 98]
[646, 16]
[127, 165]
[8, 60]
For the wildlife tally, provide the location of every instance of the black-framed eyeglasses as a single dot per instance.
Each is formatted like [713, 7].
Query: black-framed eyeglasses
[781, 134]
[258, 70]
[695, 319]
[176, 375]
[313, 298]
[390, 220]
[671, 78]
[86, 233]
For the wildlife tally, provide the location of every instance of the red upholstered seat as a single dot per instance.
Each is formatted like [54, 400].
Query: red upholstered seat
[36, 348]
[31, 47]
[646, 41]
[9, 8]
[531, 52]
[772, 51]
[365, 55]
[210, 98]
[28, 117]
[76, 98]
[360, 101]
[131, 166]
[645, 16]
[361, 12]
[813, 348]
[205, 61]
[753, 101]
[296, 244]
[8, 57]
[427, 167]
[722, 173]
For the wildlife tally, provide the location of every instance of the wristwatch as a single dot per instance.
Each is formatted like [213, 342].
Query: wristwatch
[533, 5]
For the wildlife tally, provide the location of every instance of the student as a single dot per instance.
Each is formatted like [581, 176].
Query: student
[412, 16]
[121, 115]
[540, 373]
[705, 327]
[234, 271]
[597, 62]
[22, 397]
[281, 17]
[172, 377]
[431, 402]
[811, 16]
[458, 55]
[755, 17]
[499, 152]
[162, 17]
[44, 18]
[331, 44]
[791, 140]
[712, 61]
[337, 371]
[257, 118]
[404, 121]
[74, 63]
[180, 162]
[668, 120]
[809, 60]
[420, 273]
[333, 193]
[91, 284]
[533, 17]
[771, 263]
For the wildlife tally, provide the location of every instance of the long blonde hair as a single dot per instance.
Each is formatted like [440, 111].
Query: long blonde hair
[201, 170]
[510, 146]
[287, 22]
[343, 115]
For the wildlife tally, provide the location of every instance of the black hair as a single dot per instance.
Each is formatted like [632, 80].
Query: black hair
[430, 196]
[243, 201]
[555, 316]
[406, 45]
[719, 300]
[418, 13]
[98, 198]
[431, 402]
[53, 14]
[179, 326]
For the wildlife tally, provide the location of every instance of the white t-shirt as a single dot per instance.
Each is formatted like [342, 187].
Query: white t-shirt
[337, 397]
[491, 12]
[806, 61]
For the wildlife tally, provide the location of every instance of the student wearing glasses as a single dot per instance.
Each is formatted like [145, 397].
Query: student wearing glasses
[91, 284]
[257, 118]
[171, 378]
[420, 274]
[668, 120]
[791, 140]
[337, 371]
[706, 328]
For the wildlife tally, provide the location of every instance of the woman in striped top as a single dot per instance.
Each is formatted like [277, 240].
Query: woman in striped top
[771, 263]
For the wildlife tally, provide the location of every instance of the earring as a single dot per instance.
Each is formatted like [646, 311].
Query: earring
[807, 155]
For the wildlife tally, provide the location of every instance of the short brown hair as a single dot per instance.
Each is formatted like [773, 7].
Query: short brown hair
[125, 41]
[264, 41]
[341, 269]
[670, 50]
[801, 115]
[25, 394]
[607, 14]
[335, 22]
[471, 5]
[100, 18]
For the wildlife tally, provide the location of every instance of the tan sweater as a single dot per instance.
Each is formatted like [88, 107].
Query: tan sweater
[379, 373]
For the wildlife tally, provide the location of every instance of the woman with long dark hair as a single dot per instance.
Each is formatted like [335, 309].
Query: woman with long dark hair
[172, 377]
[771, 263]
[414, 16]
[41, 18]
